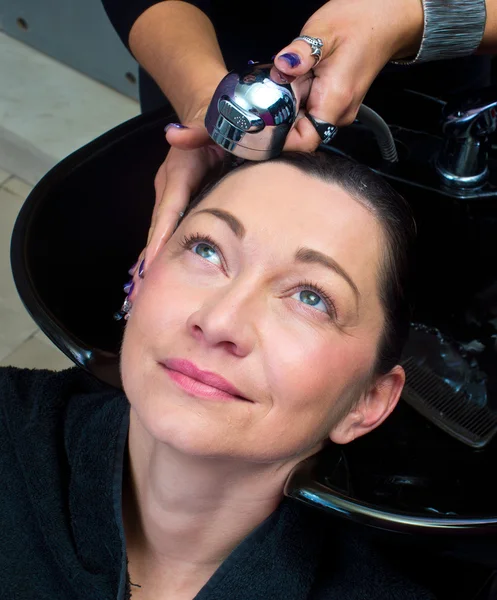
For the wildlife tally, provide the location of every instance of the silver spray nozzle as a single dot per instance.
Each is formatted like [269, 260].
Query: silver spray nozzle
[250, 114]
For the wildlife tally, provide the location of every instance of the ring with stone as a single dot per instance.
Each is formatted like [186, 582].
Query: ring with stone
[315, 43]
[326, 131]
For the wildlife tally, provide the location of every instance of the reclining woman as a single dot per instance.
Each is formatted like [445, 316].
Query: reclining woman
[271, 322]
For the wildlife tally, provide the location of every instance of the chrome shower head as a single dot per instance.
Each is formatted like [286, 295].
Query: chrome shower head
[250, 114]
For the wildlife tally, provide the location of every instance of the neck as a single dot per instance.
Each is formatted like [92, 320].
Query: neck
[191, 512]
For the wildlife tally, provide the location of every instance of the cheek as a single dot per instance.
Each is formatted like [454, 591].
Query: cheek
[162, 301]
[160, 309]
[316, 367]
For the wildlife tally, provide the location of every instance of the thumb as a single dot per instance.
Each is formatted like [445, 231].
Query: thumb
[186, 138]
[297, 59]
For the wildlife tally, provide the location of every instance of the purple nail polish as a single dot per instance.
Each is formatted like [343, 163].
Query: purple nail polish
[175, 125]
[292, 59]
[128, 286]
[141, 270]
[273, 57]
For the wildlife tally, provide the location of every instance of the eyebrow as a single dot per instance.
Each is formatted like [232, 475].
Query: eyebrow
[233, 223]
[305, 255]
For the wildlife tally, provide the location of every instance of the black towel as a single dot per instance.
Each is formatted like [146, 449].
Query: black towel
[62, 443]
[47, 459]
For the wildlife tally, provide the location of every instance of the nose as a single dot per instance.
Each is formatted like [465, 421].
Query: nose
[227, 320]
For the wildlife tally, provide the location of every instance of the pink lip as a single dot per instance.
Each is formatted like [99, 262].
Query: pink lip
[200, 383]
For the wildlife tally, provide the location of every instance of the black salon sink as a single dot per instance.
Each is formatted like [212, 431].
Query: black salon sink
[455, 290]
[415, 475]
[409, 475]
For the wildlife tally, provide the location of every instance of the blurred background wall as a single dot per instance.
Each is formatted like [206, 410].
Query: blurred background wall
[65, 78]
[76, 33]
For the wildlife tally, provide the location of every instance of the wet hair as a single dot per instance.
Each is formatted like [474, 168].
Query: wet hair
[393, 214]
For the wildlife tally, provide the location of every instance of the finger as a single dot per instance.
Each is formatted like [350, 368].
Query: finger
[166, 216]
[302, 137]
[340, 85]
[174, 184]
[163, 194]
[132, 270]
[296, 58]
[338, 88]
[278, 77]
[301, 87]
[138, 267]
[186, 138]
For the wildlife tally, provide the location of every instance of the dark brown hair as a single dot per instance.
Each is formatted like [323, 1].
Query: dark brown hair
[394, 216]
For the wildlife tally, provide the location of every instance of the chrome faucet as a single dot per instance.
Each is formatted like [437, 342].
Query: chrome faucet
[467, 125]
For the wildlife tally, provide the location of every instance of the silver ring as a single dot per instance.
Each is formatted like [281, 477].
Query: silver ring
[315, 43]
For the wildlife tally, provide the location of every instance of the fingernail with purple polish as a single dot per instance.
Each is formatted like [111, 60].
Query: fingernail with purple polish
[128, 289]
[292, 59]
[176, 125]
[127, 286]
[141, 270]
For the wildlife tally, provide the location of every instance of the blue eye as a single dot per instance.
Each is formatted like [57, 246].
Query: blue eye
[311, 298]
[206, 251]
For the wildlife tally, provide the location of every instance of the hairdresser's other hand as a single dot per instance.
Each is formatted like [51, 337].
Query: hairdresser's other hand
[360, 37]
[191, 156]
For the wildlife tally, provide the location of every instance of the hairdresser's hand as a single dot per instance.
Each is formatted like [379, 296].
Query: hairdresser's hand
[360, 37]
[191, 156]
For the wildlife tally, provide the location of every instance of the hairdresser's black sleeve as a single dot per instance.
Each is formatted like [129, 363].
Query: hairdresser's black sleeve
[124, 13]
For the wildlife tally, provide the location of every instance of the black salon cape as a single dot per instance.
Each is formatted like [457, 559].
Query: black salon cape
[63, 438]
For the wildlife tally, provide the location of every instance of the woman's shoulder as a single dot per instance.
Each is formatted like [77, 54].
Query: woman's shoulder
[364, 570]
[356, 563]
[58, 440]
[28, 395]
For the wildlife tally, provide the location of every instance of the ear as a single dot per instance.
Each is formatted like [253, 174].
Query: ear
[375, 405]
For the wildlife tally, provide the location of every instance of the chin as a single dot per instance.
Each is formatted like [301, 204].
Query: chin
[188, 439]
[170, 421]
[189, 425]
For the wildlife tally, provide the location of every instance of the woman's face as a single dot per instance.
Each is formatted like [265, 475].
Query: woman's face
[271, 283]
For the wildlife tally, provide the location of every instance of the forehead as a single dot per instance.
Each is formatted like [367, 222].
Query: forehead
[283, 209]
[276, 197]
